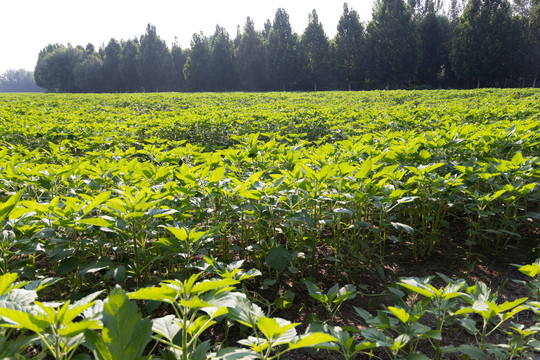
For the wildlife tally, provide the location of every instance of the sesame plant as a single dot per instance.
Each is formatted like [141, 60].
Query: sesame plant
[138, 205]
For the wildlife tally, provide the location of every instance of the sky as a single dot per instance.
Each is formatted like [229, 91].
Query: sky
[27, 26]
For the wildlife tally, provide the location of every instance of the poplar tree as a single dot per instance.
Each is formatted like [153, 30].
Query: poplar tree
[221, 65]
[250, 59]
[393, 43]
[157, 70]
[111, 66]
[130, 66]
[534, 36]
[315, 51]
[179, 57]
[435, 38]
[196, 70]
[281, 52]
[483, 41]
[349, 48]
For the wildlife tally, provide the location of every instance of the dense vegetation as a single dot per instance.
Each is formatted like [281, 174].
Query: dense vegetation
[18, 81]
[180, 202]
[418, 43]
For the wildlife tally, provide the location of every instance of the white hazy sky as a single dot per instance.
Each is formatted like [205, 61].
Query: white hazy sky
[27, 26]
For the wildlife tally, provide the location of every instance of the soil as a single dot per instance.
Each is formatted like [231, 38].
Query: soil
[452, 258]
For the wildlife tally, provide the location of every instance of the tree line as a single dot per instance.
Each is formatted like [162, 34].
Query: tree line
[18, 81]
[412, 43]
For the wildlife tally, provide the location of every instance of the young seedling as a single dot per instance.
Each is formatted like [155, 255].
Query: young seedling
[332, 300]
[533, 271]
[181, 333]
[482, 302]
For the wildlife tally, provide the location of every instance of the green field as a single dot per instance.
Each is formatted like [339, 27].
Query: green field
[212, 212]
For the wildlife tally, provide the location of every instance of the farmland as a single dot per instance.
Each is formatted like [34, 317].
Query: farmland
[136, 216]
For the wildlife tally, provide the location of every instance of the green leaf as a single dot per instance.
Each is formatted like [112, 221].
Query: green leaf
[194, 303]
[7, 237]
[507, 305]
[72, 312]
[167, 327]
[200, 324]
[269, 327]
[161, 293]
[7, 283]
[278, 258]
[375, 336]
[98, 200]
[217, 175]
[6, 207]
[346, 292]
[469, 325]
[315, 292]
[181, 234]
[311, 340]
[364, 345]
[200, 352]
[68, 265]
[205, 286]
[125, 334]
[400, 313]
[283, 303]
[99, 221]
[245, 312]
[417, 356]
[530, 270]
[472, 352]
[76, 328]
[364, 169]
[23, 320]
[98, 265]
[404, 227]
[237, 354]
[412, 284]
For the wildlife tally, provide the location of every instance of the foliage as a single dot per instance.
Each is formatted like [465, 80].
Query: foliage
[393, 43]
[407, 44]
[483, 41]
[168, 196]
[18, 81]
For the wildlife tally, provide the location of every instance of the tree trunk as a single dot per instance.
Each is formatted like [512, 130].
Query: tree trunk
[535, 78]
[478, 84]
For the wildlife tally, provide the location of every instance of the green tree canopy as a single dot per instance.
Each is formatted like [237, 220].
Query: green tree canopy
[130, 66]
[54, 69]
[20, 80]
[393, 43]
[281, 52]
[196, 70]
[157, 69]
[111, 66]
[534, 39]
[179, 57]
[315, 51]
[221, 65]
[88, 74]
[250, 59]
[435, 38]
[483, 41]
[349, 48]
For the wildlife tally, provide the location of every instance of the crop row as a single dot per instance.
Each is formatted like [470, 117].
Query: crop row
[132, 190]
[114, 328]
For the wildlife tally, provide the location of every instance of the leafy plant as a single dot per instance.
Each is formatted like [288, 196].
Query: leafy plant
[333, 299]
